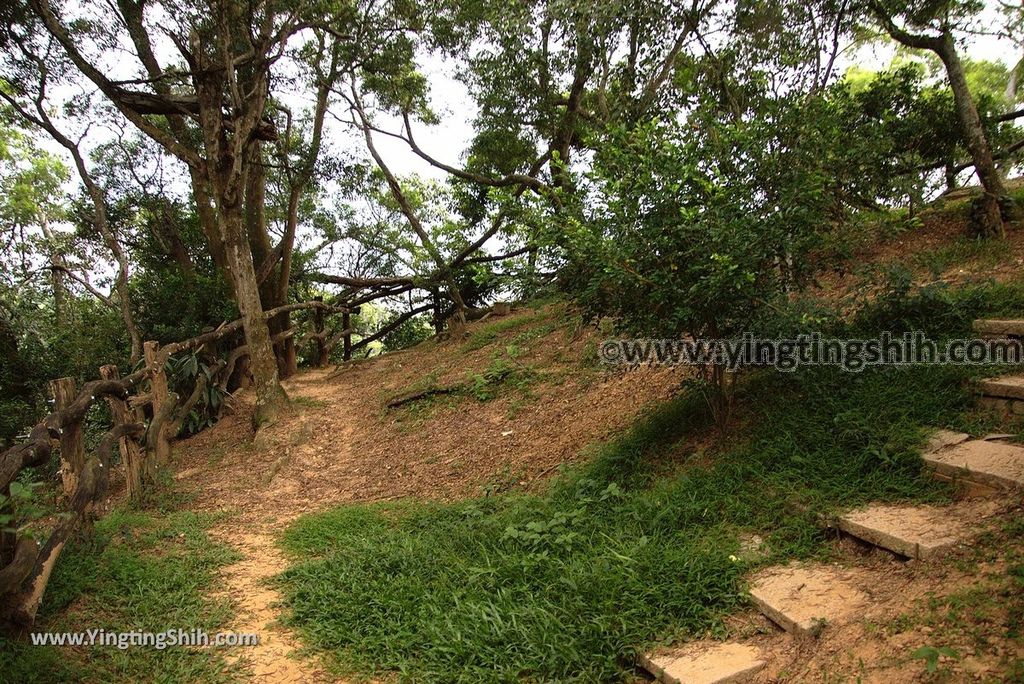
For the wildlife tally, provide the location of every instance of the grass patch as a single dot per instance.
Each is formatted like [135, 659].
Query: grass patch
[963, 250]
[503, 372]
[141, 571]
[567, 585]
[489, 332]
[309, 402]
[939, 310]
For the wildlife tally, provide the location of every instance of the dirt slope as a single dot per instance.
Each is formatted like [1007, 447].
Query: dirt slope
[341, 444]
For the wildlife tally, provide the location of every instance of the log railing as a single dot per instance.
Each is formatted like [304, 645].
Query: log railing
[25, 563]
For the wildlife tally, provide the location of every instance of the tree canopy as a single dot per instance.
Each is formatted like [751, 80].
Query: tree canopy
[170, 166]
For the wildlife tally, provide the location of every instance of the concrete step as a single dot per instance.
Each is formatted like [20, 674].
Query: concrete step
[705, 662]
[1007, 408]
[1004, 394]
[1002, 327]
[992, 464]
[918, 532]
[803, 600]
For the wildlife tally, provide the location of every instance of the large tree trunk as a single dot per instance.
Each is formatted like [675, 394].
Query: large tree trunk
[262, 250]
[270, 396]
[977, 144]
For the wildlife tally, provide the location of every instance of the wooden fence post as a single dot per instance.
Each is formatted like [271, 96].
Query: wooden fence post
[345, 325]
[322, 352]
[136, 471]
[158, 387]
[72, 444]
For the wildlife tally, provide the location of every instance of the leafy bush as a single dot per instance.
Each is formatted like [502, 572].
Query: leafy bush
[183, 372]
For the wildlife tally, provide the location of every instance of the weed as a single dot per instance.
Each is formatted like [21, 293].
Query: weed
[502, 372]
[931, 654]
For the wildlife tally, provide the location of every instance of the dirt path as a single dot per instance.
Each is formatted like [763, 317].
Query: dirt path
[338, 444]
[275, 660]
[261, 500]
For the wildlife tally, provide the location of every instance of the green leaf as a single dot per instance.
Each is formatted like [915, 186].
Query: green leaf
[20, 491]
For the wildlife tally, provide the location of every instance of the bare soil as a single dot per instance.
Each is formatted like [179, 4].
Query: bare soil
[339, 444]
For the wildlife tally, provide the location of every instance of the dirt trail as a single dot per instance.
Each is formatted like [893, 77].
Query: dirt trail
[259, 511]
[338, 444]
[262, 510]
[275, 660]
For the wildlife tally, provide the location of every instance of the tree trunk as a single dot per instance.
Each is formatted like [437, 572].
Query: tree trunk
[284, 276]
[270, 396]
[72, 441]
[951, 183]
[322, 356]
[56, 276]
[977, 144]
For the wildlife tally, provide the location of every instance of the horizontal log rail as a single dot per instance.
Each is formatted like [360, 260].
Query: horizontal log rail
[25, 565]
[169, 350]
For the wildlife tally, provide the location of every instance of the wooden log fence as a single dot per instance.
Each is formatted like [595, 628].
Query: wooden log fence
[25, 564]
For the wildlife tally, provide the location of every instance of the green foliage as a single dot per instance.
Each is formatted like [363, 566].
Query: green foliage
[19, 507]
[931, 654]
[176, 306]
[139, 571]
[936, 309]
[183, 372]
[408, 334]
[702, 232]
[503, 371]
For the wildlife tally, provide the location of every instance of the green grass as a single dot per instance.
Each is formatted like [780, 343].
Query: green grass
[963, 250]
[309, 402]
[568, 584]
[487, 333]
[938, 310]
[141, 571]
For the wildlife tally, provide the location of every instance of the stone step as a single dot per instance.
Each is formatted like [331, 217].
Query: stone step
[918, 532]
[1002, 327]
[1005, 387]
[705, 662]
[1007, 408]
[803, 600]
[993, 464]
[943, 439]
[1005, 394]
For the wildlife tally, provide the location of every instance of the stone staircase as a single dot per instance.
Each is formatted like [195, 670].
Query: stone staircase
[1005, 394]
[804, 600]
